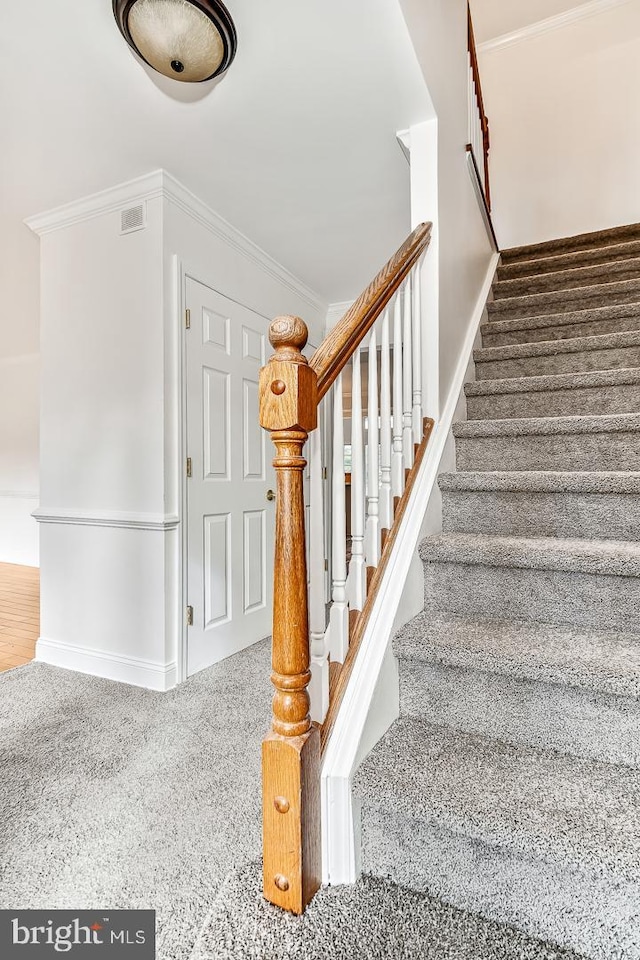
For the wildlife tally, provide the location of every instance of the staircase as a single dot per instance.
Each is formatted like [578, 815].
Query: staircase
[510, 786]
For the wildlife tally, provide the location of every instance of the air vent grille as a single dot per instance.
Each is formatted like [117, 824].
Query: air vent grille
[133, 218]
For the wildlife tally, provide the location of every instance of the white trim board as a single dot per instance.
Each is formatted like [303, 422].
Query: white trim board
[161, 184]
[103, 518]
[109, 666]
[18, 495]
[538, 29]
[339, 854]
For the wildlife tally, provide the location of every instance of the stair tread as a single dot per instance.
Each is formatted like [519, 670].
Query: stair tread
[561, 261]
[553, 381]
[537, 803]
[604, 557]
[548, 426]
[535, 302]
[617, 311]
[545, 481]
[542, 348]
[575, 276]
[593, 240]
[600, 661]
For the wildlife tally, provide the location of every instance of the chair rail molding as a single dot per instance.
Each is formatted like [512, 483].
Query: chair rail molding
[104, 518]
[339, 850]
[539, 28]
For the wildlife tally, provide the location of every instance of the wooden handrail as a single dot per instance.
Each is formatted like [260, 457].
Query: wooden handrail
[486, 140]
[335, 351]
[290, 390]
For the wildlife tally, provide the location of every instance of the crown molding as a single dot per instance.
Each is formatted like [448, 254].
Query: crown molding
[533, 30]
[160, 184]
[335, 312]
[100, 518]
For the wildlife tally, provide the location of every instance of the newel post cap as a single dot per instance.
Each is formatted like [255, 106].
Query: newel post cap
[288, 385]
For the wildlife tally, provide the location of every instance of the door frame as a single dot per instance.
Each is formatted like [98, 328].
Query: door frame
[182, 273]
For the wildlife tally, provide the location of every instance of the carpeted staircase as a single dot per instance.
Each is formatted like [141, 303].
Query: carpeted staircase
[510, 785]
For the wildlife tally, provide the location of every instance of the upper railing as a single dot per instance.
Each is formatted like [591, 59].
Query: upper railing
[359, 400]
[478, 123]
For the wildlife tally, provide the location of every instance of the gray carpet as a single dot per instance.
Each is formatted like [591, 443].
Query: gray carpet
[116, 797]
[510, 785]
[372, 920]
[120, 797]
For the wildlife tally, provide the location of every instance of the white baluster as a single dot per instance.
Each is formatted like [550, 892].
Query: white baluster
[338, 639]
[319, 685]
[357, 569]
[418, 430]
[407, 371]
[372, 549]
[397, 465]
[386, 499]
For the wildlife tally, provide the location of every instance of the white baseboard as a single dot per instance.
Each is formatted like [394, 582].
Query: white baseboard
[98, 663]
[340, 849]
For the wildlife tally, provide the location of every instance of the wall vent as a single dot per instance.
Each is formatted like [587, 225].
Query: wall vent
[133, 218]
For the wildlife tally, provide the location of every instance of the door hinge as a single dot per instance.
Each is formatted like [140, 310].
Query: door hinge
[189, 467]
[189, 616]
[326, 566]
[324, 474]
[187, 319]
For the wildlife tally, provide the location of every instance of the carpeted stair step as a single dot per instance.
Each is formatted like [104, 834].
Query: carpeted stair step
[603, 506]
[611, 253]
[577, 692]
[588, 583]
[565, 394]
[542, 841]
[579, 243]
[606, 443]
[564, 301]
[605, 352]
[569, 279]
[565, 326]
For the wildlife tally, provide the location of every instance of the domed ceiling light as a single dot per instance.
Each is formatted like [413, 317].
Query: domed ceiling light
[187, 40]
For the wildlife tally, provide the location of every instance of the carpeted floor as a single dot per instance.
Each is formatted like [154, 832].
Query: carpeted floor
[124, 798]
[120, 797]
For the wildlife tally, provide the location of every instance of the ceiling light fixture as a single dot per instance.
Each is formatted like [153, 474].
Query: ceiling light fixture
[187, 40]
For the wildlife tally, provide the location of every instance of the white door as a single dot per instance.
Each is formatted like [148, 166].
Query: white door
[230, 521]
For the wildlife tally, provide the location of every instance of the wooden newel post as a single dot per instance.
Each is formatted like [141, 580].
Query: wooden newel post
[291, 750]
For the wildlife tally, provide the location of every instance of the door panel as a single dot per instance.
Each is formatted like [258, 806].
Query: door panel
[230, 522]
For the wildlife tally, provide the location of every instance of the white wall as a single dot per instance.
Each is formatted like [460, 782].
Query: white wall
[19, 397]
[438, 31]
[565, 138]
[110, 513]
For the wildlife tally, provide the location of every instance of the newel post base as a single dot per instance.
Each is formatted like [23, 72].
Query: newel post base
[291, 749]
[292, 868]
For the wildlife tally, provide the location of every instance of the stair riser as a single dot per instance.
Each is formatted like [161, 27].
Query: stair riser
[551, 901]
[588, 600]
[523, 712]
[563, 302]
[569, 261]
[525, 513]
[569, 331]
[580, 401]
[574, 279]
[593, 451]
[579, 362]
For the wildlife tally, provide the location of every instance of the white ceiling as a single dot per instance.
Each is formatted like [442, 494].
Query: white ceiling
[295, 146]
[493, 18]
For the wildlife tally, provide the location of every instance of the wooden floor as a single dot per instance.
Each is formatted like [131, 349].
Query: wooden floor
[19, 614]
